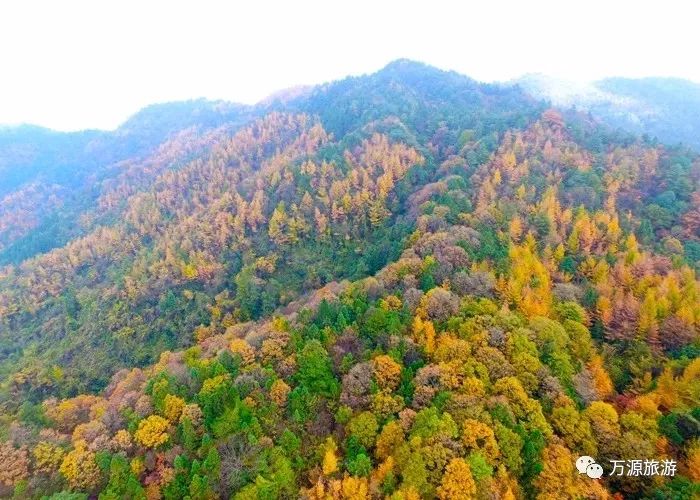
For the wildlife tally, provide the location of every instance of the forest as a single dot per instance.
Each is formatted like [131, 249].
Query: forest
[397, 286]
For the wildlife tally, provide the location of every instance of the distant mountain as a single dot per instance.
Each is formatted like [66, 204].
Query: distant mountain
[665, 108]
[48, 178]
[155, 123]
[29, 153]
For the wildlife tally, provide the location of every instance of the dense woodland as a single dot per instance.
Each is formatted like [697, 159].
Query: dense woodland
[404, 285]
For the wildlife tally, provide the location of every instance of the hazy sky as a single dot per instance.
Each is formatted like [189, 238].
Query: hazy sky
[77, 64]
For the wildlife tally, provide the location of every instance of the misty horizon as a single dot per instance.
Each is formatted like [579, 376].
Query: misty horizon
[575, 84]
[80, 66]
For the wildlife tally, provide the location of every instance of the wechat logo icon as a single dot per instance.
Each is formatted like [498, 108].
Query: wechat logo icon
[587, 465]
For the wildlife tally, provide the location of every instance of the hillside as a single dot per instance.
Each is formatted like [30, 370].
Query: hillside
[402, 285]
[49, 179]
[664, 108]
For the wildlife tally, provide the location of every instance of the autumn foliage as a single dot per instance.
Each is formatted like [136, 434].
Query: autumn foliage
[445, 295]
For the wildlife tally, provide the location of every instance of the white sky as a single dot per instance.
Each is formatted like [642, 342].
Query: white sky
[77, 64]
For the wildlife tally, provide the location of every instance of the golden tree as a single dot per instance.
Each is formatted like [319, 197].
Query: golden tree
[47, 457]
[479, 436]
[387, 372]
[152, 431]
[529, 286]
[242, 348]
[172, 407]
[330, 460]
[457, 482]
[279, 392]
[80, 469]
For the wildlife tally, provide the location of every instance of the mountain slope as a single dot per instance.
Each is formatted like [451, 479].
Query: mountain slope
[163, 242]
[50, 178]
[404, 285]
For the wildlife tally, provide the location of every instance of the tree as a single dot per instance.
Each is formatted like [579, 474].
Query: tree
[172, 408]
[478, 436]
[330, 459]
[604, 424]
[675, 334]
[415, 473]
[440, 304]
[574, 429]
[152, 431]
[387, 372]
[47, 457]
[123, 483]
[315, 370]
[15, 464]
[354, 488]
[533, 444]
[193, 413]
[360, 465]
[601, 380]
[80, 469]
[559, 478]
[384, 404]
[255, 215]
[457, 482]
[278, 225]
[200, 489]
[391, 436]
[529, 286]
[693, 460]
[378, 212]
[279, 391]
[364, 427]
[424, 334]
[510, 445]
[243, 349]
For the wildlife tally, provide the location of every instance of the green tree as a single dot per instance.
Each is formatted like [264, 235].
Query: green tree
[315, 370]
[122, 481]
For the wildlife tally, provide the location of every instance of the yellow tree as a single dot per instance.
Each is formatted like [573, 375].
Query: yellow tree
[172, 407]
[424, 334]
[387, 372]
[279, 392]
[515, 229]
[152, 431]
[529, 285]
[80, 469]
[389, 439]
[244, 350]
[574, 429]
[47, 457]
[603, 384]
[330, 460]
[477, 436]
[457, 482]
[277, 226]
[559, 478]
[648, 315]
[354, 488]
[693, 461]
[604, 422]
